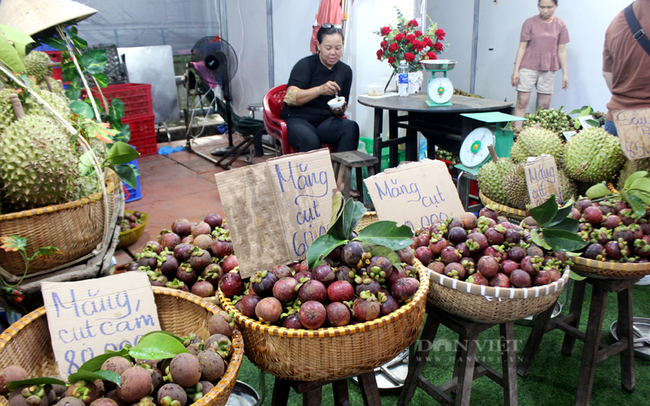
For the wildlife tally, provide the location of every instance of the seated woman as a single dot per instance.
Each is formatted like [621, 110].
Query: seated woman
[314, 81]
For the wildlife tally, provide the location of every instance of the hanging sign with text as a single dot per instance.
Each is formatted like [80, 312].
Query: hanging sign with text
[87, 318]
[542, 179]
[415, 194]
[633, 127]
[276, 209]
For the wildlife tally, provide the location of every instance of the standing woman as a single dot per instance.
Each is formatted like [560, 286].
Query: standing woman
[542, 51]
[315, 80]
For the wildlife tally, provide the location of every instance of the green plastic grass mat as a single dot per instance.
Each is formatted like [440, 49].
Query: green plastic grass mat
[551, 381]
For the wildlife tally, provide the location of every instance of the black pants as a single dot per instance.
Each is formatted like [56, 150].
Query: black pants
[308, 132]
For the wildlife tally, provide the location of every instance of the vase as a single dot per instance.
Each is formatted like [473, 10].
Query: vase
[415, 81]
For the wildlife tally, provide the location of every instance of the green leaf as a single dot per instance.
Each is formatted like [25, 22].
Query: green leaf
[124, 131]
[633, 177]
[593, 123]
[96, 363]
[76, 40]
[576, 277]
[336, 222]
[10, 56]
[122, 153]
[574, 111]
[127, 174]
[16, 37]
[14, 243]
[82, 108]
[537, 239]
[157, 345]
[73, 91]
[46, 252]
[102, 79]
[85, 164]
[636, 204]
[93, 60]
[643, 195]
[545, 212]
[321, 247]
[640, 184]
[116, 111]
[562, 240]
[568, 224]
[387, 233]
[34, 381]
[97, 103]
[54, 42]
[90, 376]
[597, 191]
[380, 250]
[353, 211]
[561, 215]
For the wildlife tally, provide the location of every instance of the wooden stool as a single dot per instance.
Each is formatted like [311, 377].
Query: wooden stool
[349, 160]
[312, 391]
[467, 366]
[594, 350]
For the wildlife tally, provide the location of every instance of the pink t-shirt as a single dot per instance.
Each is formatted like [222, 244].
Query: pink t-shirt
[543, 39]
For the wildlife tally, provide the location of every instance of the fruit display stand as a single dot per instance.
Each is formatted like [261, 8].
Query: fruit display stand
[27, 342]
[335, 352]
[509, 212]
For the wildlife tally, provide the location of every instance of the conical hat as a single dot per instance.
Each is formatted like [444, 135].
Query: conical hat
[32, 16]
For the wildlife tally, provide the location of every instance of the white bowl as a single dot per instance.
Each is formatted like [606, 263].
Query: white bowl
[336, 102]
[438, 64]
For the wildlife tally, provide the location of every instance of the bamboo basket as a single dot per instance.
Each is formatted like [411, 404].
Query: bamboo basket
[75, 228]
[607, 269]
[486, 304]
[334, 352]
[27, 341]
[506, 211]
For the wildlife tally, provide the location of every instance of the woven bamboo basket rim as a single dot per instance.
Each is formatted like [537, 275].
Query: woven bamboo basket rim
[503, 293]
[221, 390]
[368, 218]
[501, 208]
[110, 188]
[331, 331]
[610, 269]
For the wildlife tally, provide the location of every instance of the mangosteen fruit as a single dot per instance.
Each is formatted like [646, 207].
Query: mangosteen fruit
[286, 289]
[201, 228]
[323, 273]
[214, 220]
[182, 227]
[455, 270]
[366, 307]
[293, 321]
[352, 254]
[500, 280]
[312, 290]
[312, 314]
[171, 394]
[246, 305]
[404, 288]
[9, 374]
[229, 263]
[269, 309]
[338, 314]
[520, 279]
[168, 239]
[262, 283]
[231, 284]
[340, 291]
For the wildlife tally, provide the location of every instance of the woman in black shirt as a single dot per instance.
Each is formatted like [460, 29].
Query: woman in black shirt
[314, 81]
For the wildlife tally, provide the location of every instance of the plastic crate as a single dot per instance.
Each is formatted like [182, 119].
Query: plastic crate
[55, 56]
[133, 194]
[135, 96]
[143, 134]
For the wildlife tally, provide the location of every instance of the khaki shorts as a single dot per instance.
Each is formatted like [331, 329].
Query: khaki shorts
[542, 80]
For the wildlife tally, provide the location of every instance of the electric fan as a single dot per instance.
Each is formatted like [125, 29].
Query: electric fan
[215, 62]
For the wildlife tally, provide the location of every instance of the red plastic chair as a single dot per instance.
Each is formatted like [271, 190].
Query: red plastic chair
[275, 126]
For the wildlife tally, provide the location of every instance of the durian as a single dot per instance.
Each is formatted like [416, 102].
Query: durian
[629, 168]
[593, 156]
[490, 179]
[37, 65]
[533, 142]
[59, 103]
[515, 188]
[7, 115]
[568, 188]
[37, 166]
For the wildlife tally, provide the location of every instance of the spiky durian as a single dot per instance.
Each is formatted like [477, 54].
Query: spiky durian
[490, 179]
[37, 166]
[515, 188]
[593, 156]
[37, 65]
[629, 168]
[533, 142]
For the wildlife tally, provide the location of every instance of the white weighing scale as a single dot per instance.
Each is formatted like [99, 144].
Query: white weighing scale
[439, 89]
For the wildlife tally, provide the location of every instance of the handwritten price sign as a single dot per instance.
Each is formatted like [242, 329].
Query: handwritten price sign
[633, 128]
[541, 179]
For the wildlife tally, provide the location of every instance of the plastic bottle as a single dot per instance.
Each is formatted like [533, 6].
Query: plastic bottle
[402, 78]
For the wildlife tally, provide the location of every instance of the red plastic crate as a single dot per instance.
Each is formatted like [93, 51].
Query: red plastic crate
[135, 96]
[143, 133]
[55, 56]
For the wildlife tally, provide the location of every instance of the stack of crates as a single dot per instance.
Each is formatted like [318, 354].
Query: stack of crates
[138, 113]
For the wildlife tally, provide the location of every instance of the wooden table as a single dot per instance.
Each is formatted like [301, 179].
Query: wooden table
[443, 126]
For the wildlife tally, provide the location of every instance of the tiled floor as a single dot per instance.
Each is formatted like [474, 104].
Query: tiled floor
[179, 185]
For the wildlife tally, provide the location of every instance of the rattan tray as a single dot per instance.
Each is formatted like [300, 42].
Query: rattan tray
[332, 353]
[506, 211]
[607, 269]
[486, 304]
[27, 341]
[75, 228]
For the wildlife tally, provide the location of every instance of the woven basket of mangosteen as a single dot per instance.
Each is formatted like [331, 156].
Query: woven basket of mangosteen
[342, 311]
[489, 270]
[203, 370]
[614, 226]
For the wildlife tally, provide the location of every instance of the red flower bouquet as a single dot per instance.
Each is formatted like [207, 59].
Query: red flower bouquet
[407, 41]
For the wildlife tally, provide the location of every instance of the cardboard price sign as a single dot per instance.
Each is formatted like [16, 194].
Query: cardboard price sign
[275, 210]
[415, 194]
[633, 127]
[86, 318]
[542, 179]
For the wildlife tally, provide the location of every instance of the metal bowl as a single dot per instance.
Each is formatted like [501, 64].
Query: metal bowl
[438, 64]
